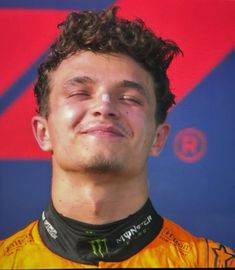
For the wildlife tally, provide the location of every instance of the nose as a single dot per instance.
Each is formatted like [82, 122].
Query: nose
[105, 106]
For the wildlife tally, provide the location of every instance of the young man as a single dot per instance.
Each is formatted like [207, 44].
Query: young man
[103, 96]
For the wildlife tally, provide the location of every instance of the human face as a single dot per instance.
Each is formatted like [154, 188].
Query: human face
[102, 115]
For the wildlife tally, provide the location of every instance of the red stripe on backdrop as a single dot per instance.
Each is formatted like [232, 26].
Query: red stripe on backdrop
[204, 29]
[25, 34]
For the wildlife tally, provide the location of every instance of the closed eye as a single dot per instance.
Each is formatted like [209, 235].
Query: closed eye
[131, 100]
[81, 93]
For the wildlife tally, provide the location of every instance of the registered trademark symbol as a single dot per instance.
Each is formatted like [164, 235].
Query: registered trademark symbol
[190, 145]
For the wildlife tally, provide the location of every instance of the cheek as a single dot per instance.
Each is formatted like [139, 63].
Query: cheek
[63, 121]
[144, 126]
[139, 120]
[71, 115]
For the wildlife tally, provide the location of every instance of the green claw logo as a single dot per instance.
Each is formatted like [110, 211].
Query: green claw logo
[99, 247]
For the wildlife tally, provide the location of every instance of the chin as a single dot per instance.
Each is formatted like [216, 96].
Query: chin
[101, 165]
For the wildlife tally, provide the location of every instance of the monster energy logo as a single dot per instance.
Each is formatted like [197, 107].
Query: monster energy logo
[99, 247]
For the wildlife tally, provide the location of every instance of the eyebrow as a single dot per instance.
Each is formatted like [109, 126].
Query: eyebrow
[79, 79]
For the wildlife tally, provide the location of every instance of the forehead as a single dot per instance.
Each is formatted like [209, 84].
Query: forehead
[106, 69]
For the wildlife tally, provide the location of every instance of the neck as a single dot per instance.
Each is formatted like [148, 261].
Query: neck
[98, 199]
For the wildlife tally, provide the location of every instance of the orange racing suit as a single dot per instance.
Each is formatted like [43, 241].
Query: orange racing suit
[172, 247]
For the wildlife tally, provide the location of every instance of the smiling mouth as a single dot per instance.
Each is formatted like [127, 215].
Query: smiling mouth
[104, 131]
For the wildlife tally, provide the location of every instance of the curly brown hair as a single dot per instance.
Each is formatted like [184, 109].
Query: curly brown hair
[105, 32]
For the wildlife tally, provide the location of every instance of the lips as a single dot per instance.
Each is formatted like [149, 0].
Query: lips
[104, 130]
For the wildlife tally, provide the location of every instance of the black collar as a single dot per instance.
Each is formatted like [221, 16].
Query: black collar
[89, 244]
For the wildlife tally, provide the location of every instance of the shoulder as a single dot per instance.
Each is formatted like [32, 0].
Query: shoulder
[26, 250]
[19, 242]
[220, 255]
[195, 250]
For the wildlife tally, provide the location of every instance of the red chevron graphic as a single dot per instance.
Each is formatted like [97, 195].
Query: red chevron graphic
[25, 34]
[203, 29]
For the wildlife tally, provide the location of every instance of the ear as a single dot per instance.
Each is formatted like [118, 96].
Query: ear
[40, 131]
[160, 138]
